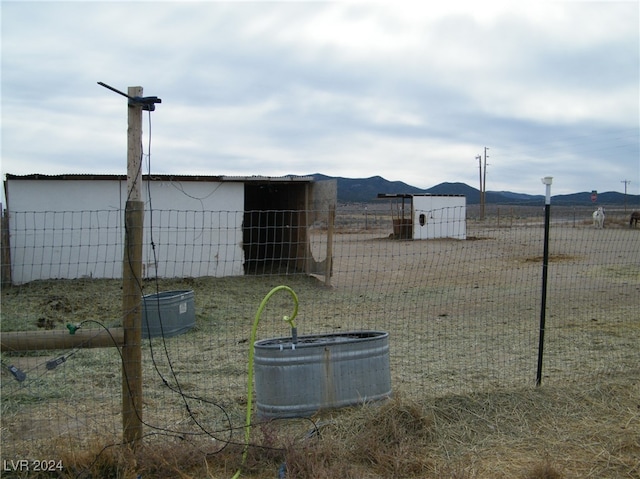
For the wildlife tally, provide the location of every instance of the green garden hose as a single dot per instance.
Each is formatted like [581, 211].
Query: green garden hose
[252, 340]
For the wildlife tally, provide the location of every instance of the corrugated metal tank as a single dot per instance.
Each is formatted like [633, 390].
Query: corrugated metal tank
[320, 372]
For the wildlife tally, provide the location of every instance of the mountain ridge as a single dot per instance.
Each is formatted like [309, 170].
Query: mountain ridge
[366, 190]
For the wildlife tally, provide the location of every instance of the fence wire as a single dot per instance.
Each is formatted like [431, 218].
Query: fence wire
[463, 315]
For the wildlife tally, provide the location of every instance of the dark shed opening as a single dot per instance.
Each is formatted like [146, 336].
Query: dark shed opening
[275, 227]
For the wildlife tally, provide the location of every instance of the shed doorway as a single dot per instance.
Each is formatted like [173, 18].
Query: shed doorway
[275, 227]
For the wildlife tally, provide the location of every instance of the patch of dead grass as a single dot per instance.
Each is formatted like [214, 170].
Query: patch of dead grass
[543, 433]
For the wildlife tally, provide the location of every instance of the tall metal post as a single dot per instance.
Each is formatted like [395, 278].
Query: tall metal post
[547, 180]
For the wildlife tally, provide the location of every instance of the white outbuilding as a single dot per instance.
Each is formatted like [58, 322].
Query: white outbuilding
[72, 226]
[425, 216]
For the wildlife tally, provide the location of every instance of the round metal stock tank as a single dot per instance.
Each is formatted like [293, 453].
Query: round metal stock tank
[320, 372]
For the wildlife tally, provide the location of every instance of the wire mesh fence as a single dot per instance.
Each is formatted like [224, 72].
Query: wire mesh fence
[463, 315]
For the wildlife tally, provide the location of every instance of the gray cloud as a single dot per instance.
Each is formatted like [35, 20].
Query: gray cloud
[340, 88]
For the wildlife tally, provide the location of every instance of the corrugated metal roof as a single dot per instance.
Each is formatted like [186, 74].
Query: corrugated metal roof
[154, 177]
[269, 178]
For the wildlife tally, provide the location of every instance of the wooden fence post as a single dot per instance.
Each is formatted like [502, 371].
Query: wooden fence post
[329, 262]
[132, 280]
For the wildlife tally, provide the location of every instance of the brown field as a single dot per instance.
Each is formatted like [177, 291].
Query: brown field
[462, 317]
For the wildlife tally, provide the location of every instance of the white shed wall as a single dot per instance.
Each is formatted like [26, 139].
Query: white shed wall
[75, 228]
[445, 217]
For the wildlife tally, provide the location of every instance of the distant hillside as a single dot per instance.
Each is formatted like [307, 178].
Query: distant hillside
[365, 190]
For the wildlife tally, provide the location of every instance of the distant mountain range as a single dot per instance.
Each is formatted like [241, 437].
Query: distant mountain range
[365, 190]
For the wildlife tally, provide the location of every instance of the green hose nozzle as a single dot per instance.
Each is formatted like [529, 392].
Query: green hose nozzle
[73, 328]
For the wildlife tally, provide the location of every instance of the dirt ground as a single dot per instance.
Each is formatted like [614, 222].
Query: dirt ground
[463, 318]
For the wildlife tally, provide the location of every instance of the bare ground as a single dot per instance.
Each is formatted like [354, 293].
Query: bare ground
[464, 344]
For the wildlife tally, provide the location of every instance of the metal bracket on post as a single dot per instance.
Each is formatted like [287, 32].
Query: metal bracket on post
[146, 102]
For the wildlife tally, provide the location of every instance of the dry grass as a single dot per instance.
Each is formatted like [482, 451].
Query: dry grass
[543, 433]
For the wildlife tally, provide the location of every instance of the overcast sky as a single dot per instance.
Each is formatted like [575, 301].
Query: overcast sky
[409, 91]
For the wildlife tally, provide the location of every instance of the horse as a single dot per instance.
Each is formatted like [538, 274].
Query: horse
[635, 217]
[598, 218]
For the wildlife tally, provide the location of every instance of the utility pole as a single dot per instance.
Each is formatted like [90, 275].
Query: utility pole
[626, 182]
[479, 158]
[484, 181]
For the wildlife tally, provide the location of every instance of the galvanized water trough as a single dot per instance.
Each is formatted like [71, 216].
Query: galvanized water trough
[167, 313]
[297, 378]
